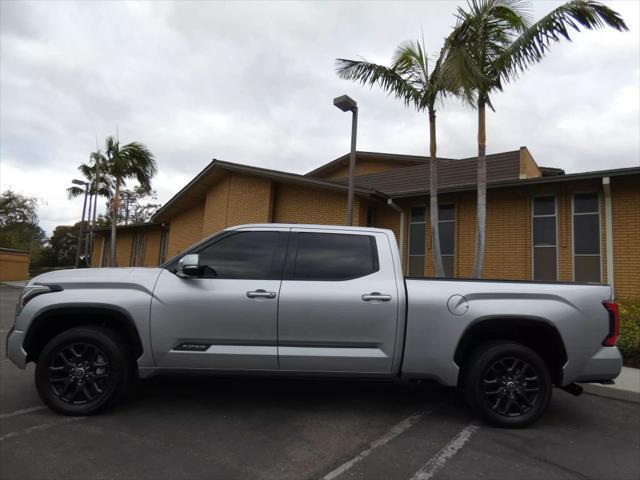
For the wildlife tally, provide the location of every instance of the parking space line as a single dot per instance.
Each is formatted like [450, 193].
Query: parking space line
[396, 430]
[440, 459]
[22, 412]
[41, 427]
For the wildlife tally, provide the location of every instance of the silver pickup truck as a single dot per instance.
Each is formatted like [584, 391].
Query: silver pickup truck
[311, 300]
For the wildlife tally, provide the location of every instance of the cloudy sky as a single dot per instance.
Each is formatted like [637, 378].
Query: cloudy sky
[253, 83]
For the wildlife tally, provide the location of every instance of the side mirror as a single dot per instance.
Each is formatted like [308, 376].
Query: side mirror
[189, 266]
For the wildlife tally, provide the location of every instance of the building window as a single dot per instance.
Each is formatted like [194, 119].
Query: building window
[416, 241]
[586, 237]
[446, 228]
[164, 242]
[371, 216]
[137, 249]
[545, 265]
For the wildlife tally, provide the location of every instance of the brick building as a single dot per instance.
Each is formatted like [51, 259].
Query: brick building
[542, 224]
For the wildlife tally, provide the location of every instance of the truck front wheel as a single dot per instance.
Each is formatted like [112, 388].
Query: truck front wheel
[82, 370]
[507, 384]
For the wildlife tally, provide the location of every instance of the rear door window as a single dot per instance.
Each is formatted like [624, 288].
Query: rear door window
[332, 256]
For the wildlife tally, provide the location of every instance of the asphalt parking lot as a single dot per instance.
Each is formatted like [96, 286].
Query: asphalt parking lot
[203, 427]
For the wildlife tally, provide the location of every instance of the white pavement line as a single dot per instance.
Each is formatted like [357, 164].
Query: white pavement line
[22, 412]
[38, 428]
[396, 430]
[439, 460]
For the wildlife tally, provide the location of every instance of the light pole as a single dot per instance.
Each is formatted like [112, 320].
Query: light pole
[84, 208]
[347, 104]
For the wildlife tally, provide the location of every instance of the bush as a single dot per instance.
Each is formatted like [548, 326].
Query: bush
[629, 340]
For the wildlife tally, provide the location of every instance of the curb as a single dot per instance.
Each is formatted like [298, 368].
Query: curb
[611, 392]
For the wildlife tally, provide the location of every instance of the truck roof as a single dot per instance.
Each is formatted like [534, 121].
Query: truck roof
[305, 225]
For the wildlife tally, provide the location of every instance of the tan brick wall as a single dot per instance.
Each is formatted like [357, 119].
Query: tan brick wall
[14, 266]
[625, 193]
[528, 166]
[185, 229]
[152, 247]
[363, 167]
[297, 204]
[97, 251]
[237, 199]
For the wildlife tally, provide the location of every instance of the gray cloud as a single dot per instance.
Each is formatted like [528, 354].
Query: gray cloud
[253, 83]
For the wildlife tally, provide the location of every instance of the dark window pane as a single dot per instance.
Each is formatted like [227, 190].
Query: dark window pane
[445, 212]
[544, 230]
[587, 269]
[446, 237]
[586, 234]
[447, 263]
[544, 206]
[585, 202]
[371, 216]
[329, 256]
[544, 263]
[416, 266]
[248, 255]
[416, 239]
[417, 214]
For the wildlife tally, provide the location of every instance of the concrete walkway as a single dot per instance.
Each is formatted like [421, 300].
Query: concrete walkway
[14, 283]
[626, 387]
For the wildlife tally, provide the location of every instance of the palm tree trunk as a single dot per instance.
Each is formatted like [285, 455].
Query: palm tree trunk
[433, 197]
[481, 207]
[114, 218]
[93, 220]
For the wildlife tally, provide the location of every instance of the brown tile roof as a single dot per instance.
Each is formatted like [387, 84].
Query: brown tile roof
[452, 174]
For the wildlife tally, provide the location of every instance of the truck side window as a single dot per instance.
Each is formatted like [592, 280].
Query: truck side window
[332, 256]
[247, 255]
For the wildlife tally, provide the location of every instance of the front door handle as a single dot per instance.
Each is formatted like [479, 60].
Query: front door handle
[260, 293]
[376, 296]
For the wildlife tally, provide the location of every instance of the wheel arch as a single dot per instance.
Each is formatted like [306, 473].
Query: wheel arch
[52, 322]
[536, 333]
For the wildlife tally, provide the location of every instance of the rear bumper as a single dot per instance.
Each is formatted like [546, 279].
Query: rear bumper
[15, 352]
[605, 364]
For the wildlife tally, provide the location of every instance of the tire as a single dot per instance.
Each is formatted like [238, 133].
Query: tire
[83, 370]
[506, 384]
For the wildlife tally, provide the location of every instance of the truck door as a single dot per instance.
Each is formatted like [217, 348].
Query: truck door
[338, 309]
[225, 321]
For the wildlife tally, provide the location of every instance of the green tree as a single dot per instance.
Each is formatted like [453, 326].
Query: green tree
[19, 227]
[60, 250]
[494, 42]
[122, 163]
[409, 79]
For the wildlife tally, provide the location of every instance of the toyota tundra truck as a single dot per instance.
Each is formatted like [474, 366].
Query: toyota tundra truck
[311, 300]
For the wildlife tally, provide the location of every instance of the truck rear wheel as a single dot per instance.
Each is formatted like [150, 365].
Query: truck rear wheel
[82, 370]
[507, 384]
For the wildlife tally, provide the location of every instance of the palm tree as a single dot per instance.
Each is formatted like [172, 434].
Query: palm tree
[493, 42]
[409, 79]
[131, 161]
[99, 186]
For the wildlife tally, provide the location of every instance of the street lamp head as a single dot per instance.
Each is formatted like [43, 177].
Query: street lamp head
[345, 103]
[75, 181]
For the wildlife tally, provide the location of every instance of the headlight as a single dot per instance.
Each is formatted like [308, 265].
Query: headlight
[29, 292]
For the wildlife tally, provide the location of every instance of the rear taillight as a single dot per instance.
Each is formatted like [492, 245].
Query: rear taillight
[614, 324]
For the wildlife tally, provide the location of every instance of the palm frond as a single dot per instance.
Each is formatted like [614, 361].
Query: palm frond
[534, 43]
[371, 74]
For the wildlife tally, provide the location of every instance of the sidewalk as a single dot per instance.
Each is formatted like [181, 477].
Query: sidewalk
[14, 283]
[627, 386]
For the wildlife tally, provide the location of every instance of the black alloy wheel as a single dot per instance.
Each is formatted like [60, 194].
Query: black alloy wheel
[511, 386]
[79, 373]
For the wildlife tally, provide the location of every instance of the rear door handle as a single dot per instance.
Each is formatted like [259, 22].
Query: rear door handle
[376, 296]
[260, 293]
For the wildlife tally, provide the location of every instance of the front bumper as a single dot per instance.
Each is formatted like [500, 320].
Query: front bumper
[15, 352]
[605, 364]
